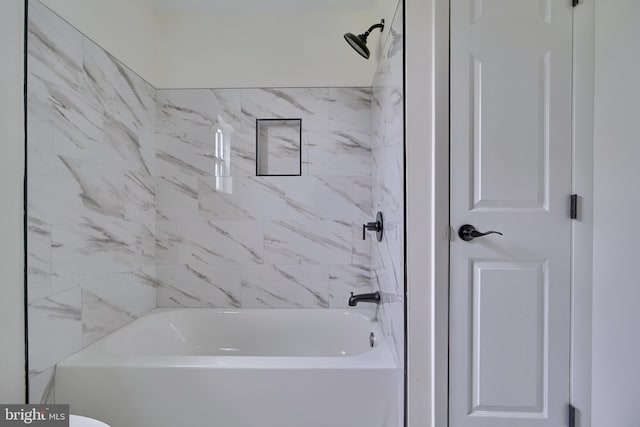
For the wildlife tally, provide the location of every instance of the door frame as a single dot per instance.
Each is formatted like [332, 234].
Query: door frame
[427, 26]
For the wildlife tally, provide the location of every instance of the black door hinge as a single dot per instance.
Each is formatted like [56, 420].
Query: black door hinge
[576, 2]
[572, 415]
[573, 206]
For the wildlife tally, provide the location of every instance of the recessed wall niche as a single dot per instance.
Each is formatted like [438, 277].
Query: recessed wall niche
[279, 147]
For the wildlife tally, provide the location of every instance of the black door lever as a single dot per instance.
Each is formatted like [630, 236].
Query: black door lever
[468, 232]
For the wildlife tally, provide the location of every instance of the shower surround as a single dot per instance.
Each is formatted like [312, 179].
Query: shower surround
[126, 211]
[240, 240]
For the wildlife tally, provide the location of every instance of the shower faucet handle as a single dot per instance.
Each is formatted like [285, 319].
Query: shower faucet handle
[376, 226]
[371, 226]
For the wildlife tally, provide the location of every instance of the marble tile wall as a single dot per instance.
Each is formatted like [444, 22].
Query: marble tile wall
[227, 238]
[388, 192]
[91, 195]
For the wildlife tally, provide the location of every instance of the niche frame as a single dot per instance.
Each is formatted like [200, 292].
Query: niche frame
[262, 149]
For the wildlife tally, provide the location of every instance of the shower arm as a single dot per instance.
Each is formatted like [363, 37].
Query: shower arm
[373, 27]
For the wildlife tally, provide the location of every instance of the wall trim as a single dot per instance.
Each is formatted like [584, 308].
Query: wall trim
[582, 229]
[12, 262]
[427, 209]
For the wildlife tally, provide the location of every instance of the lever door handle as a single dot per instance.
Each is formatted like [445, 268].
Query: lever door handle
[468, 232]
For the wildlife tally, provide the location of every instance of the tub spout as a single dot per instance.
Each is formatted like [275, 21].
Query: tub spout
[373, 297]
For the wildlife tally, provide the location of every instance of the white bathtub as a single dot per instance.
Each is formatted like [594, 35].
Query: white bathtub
[235, 368]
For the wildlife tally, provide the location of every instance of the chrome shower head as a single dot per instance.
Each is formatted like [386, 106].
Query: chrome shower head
[359, 42]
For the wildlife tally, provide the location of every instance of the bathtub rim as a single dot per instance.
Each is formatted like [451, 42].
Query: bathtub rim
[95, 356]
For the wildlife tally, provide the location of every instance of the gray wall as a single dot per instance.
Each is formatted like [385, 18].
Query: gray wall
[11, 225]
[616, 283]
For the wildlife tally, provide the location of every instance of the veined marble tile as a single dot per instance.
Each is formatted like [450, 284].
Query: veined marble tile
[177, 198]
[220, 242]
[377, 125]
[339, 153]
[53, 199]
[100, 189]
[167, 242]
[181, 155]
[54, 49]
[140, 275]
[243, 154]
[145, 276]
[361, 248]
[388, 181]
[350, 110]
[78, 190]
[38, 286]
[61, 282]
[119, 91]
[135, 99]
[111, 300]
[38, 246]
[309, 104]
[307, 242]
[98, 71]
[388, 120]
[100, 317]
[388, 266]
[41, 163]
[395, 313]
[387, 259]
[42, 386]
[78, 125]
[395, 244]
[96, 246]
[188, 110]
[285, 286]
[55, 90]
[185, 112]
[123, 147]
[147, 242]
[147, 137]
[39, 135]
[191, 123]
[329, 197]
[240, 198]
[394, 119]
[344, 279]
[55, 329]
[139, 197]
[199, 286]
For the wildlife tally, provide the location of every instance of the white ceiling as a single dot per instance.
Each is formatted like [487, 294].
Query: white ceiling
[248, 6]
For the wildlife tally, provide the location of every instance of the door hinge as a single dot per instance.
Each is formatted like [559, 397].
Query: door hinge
[572, 415]
[573, 206]
[575, 2]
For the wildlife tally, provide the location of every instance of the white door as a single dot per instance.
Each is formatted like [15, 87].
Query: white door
[511, 124]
